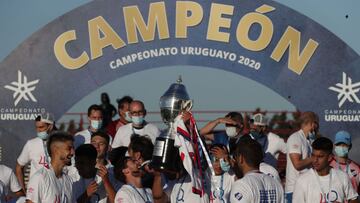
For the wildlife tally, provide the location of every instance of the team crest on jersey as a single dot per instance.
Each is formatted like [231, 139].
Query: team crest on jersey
[238, 196]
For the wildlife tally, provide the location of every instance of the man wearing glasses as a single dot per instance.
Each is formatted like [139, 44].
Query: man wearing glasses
[138, 126]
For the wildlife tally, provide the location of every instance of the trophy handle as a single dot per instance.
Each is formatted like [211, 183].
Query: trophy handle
[187, 105]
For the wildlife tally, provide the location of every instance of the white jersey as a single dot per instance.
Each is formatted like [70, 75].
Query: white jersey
[34, 152]
[131, 194]
[269, 170]
[9, 179]
[275, 145]
[123, 135]
[45, 187]
[182, 192]
[311, 188]
[296, 144]
[221, 188]
[257, 187]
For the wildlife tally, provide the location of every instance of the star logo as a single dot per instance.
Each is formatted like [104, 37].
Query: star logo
[346, 90]
[22, 89]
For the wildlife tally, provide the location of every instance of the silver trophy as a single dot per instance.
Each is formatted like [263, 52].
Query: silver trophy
[172, 103]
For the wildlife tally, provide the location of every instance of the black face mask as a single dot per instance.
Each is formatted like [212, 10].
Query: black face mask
[237, 170]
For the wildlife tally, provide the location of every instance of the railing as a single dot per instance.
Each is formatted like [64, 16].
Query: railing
[79, 120]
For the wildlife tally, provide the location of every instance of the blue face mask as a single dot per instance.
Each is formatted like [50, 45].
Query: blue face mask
[341, 151]
[127, 117]
[43, 135]
[312, 136]
[137, 120]
[95, 124]
[225, 166]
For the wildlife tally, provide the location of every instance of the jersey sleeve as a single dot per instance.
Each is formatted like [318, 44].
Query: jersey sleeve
[14, 183]
[350, 193]
[293, 145]
[35, 188]
[24, 157]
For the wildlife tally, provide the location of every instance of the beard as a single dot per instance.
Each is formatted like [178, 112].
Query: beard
[66, 159]
[238, 171]
[136, 173]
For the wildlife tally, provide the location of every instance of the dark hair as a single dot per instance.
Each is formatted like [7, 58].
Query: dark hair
[251, 150]
[119, 166]
[94, 107]
[103, 135]
[236, 116]
[117, 153]
[142, 144]
[219, 145]
[323, 144]
[123, 100]
[86, 151]
[58, 137]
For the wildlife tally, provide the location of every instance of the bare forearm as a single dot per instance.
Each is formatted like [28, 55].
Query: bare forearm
[110, 191]
[20, 176]
[302, 164]
[209, 127]
[158, 193]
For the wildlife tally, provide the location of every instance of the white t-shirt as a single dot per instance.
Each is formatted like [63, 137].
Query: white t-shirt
[123, 135]
[182, 192]
[298, 144]
[307, 188]
[9, 179]
[269, 170]
[34, 153]
[131, 194]
[275, 145]
[257, 187]
[44, 186]
[221, 185]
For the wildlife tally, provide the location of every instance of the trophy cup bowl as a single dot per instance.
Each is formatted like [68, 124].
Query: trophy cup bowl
[171, 105]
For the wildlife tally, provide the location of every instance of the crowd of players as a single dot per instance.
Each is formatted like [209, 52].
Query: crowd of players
[110, 161]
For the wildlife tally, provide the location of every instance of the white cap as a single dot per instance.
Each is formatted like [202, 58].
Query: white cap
[47, 118]
[259, 119]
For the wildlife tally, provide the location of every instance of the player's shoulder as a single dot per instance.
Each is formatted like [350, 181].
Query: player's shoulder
[151, 126]
[83, 132]
[274, 136]
[126, 127]
[354, 165]
[306, 176]
[341, 174]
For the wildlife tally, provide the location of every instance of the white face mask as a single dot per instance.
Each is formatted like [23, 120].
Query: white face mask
[96, 124]
[231, 131]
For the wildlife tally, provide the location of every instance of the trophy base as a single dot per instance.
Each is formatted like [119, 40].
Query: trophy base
[163, 155]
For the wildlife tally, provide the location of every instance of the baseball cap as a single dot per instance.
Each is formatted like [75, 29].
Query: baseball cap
[259, 119]
[342, 137]
[47, 117]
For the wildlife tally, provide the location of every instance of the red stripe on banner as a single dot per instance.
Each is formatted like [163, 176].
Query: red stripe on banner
[197, 191]
[185, 134]
[182, 156]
